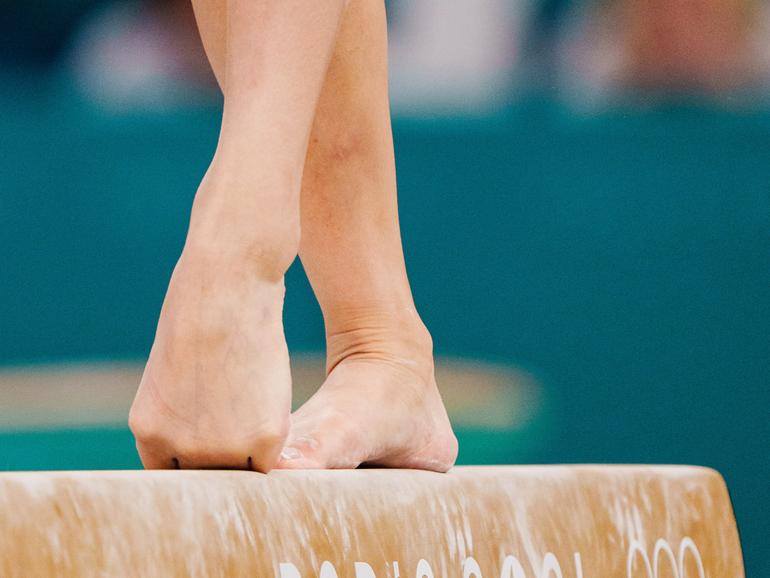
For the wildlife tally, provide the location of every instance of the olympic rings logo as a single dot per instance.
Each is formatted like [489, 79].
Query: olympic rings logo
[663, 549]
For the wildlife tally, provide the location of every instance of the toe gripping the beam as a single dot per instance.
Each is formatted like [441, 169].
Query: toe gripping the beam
[475, 522]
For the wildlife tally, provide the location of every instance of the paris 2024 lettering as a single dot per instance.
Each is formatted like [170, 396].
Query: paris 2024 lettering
[640, 563]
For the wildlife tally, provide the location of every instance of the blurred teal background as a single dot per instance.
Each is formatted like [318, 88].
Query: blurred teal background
[622, 254]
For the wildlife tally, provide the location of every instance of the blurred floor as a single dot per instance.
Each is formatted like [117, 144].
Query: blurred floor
[73, 416]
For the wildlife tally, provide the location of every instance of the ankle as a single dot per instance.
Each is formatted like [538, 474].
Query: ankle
[380, 331]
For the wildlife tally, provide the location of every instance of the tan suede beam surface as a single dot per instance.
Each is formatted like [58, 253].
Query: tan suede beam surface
[507, 522]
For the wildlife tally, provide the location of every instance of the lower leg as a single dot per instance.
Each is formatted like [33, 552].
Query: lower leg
[379, 403]
[216, 390]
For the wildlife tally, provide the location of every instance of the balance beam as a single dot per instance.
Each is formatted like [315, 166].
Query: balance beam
[507, 522]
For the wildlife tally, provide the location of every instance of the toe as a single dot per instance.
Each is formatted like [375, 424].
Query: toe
[154, 456]
[180, 450]
[302, 453]
[291, 460]
[322, 444]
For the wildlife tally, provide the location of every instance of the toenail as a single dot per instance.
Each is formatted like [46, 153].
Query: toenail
[291, 454]
[308, 442]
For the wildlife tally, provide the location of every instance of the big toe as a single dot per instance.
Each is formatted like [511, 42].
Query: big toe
[297, 456]
[306, 453]
[161, 449]
[259, 453]
[322, 444]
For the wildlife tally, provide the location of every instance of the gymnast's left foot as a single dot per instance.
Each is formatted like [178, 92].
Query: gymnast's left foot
[378, 406]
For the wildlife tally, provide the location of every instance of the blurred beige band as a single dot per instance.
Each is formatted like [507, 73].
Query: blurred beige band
[477, 395]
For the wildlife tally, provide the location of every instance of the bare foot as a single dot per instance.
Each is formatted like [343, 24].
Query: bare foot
[378, 406]
[216, 391]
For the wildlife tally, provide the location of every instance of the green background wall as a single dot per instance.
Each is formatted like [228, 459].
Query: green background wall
[625, 257]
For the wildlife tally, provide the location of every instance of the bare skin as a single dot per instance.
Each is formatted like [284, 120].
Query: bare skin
[379, 404]
[216, 391]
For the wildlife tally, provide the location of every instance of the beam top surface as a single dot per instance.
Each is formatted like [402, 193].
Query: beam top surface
[507, 521]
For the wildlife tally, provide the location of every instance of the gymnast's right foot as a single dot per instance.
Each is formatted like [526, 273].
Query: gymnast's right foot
[216, 391]
[379, 405]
